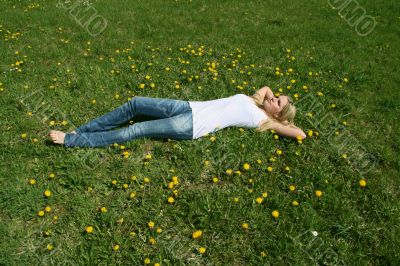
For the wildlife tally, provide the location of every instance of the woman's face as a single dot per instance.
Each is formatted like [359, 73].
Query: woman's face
[275, 105]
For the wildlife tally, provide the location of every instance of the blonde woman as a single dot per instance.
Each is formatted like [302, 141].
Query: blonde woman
[178, 119]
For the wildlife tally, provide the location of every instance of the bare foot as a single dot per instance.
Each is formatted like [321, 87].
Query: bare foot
[57, 136]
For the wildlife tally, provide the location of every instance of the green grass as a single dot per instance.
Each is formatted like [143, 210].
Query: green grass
[356, 226]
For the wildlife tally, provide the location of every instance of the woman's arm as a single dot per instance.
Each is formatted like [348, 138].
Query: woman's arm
[289, 131]
[265, 93]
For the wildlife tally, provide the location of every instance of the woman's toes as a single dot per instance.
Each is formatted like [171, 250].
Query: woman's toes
[57, 136]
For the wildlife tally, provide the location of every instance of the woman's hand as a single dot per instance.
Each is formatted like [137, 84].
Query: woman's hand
[286, 129]
[265, 93]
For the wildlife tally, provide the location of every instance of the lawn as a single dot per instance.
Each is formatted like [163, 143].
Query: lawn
[235, 197]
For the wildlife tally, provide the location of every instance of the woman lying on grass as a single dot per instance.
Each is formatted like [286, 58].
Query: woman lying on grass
[177, 119]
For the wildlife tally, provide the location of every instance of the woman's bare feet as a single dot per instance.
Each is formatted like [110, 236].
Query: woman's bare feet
[57, 136]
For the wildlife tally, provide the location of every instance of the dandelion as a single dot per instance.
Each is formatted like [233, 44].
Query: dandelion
[259, 200]
[171, 200]
[116, 247]
[229, 171]
[275, 214]
[52, 175]
[269, 168]
[202, 250]
[49, 247]
[47, 209]
[295, 203]
[150, 224]
[146, 180]
[114, 182]
[263, 254]
[246, 166]
[146, 261]
[159, 230]
[362, 183]
[175, 180]
[89, 229]
[40, 213]
[318, 193]
[103, 209]
[24, 135]
[197, 234]
[292, 187]
[152, 240]
[32, 181]
[245, 226]
[47, 193]
[279, 152]
[132, 195]
[215, 179]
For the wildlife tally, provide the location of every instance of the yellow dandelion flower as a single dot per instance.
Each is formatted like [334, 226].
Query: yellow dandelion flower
[47, 193]
[292, 188]
[269, 168]
[146, 261]
[159, 230]
[152, 240]
[197, 234]
[150, 224]
[202, 250]
[275, 214]
[132, 195]
[171, 200]
[215, 179]
[24, 135]
[41, 213]
[103, 209]
[259, 200]
[47, 209]
[318, 193]
[245, 226]
[116, 247]
[89, 229]
[32, 181]
[246, 166]
[295, 203]
[362, 183]
[49, 247]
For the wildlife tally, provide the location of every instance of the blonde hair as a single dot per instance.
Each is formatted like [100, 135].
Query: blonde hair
[286, 114]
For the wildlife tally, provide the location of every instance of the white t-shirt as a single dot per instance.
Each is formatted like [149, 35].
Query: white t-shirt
[238, 110]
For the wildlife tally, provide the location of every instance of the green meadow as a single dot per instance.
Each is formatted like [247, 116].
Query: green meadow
[235, 197]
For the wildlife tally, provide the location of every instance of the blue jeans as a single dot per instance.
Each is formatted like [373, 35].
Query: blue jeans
[175, 121]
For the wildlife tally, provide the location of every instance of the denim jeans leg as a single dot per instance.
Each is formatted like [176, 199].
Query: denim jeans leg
[154, 107]
[178, 127]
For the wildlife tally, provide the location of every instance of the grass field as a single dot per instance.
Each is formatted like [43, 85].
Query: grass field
[256, 199]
